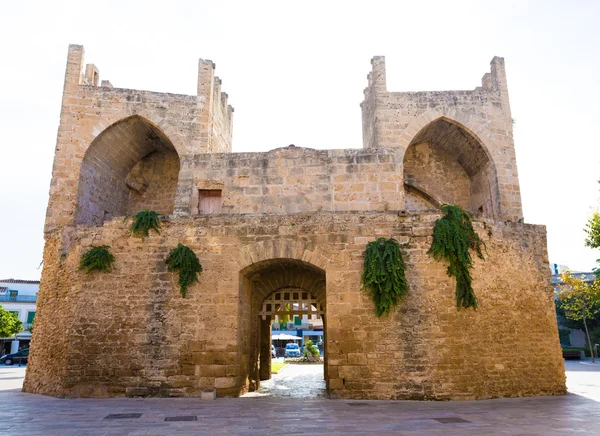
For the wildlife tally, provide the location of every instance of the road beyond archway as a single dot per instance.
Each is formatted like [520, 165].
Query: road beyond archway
[293, 381]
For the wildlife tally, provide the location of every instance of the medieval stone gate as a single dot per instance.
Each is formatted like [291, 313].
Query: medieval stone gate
[292, 218]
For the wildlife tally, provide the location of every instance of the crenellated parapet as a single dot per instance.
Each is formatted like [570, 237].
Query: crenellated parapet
[111, 139]
[451, 140]
[216, 113]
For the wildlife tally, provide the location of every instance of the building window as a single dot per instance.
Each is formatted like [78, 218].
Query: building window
[30, 317]
[12, 295]
[209, 201]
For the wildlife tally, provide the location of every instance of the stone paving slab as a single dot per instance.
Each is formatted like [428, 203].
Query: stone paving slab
[34, 414]
[30, 414]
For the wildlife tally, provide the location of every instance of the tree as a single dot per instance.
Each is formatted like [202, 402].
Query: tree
[592, 229]
[311, 352]
[30, 328]
[10, 324]
[580, 301]
[283, 318]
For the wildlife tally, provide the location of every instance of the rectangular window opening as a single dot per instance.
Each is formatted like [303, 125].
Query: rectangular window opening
[209, 201]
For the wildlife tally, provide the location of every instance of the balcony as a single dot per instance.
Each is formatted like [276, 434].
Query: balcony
[18, 299]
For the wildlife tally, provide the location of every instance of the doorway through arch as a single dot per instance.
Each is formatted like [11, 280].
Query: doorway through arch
[290, 292]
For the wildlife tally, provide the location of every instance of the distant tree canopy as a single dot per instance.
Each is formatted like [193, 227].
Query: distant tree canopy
[10, 324]
[592, 229]
[580, 301]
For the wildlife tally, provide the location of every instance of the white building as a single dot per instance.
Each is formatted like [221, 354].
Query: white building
[18, 297]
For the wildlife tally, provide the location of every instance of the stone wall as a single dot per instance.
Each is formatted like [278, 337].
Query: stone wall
[293, 179]
[130, 332]
[156, 175]
[438, 174]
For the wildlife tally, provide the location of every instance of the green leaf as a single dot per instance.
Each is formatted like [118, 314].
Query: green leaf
[145, 221]
[453, 237]
[384, 274]
[97, 258]
[184, 260]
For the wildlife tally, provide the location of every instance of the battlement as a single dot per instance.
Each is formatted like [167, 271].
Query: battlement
[215, 112]
[493, 81]
[464, 137]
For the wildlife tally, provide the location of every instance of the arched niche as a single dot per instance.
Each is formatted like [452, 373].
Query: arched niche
[130, 166]
[446, 163]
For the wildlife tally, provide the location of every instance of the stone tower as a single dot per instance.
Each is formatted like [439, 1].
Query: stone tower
[457, 146]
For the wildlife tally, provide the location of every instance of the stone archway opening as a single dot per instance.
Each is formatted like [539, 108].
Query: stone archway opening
[130, 166]
[281, 296]
[445, 163]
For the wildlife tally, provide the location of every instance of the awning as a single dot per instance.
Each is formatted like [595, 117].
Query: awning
[284, 337]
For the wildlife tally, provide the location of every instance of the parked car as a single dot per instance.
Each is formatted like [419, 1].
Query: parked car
[292, 350]
[273, 353]
[18, 357]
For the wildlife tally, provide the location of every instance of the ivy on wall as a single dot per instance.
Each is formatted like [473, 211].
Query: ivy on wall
[97, 258]
[184, 260]
[453, 237]
[145, 221]
[384, 274]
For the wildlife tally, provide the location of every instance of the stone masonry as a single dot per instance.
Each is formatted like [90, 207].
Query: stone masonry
[292, 218]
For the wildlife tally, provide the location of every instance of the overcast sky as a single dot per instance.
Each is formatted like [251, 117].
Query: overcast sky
[295, 72]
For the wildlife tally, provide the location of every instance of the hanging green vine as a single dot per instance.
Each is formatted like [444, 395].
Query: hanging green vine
[145, 221]
[383, 274]
[97, 258]
[186, 262]
[453, 237]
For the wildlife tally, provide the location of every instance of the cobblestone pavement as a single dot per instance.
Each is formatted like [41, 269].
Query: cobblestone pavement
[38, 415]
[294, 381]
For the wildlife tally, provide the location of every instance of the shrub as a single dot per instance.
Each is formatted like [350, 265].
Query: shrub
[97, 258]
[384, 274]
[145, 221]
[310, 350]
[184, 260]
[453, 237]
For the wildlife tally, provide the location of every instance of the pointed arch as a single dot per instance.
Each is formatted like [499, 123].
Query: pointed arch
[417, 199]
[450, 163]
[260, 279]
[131, 165]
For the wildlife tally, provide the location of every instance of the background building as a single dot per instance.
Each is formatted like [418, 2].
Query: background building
[19, 297]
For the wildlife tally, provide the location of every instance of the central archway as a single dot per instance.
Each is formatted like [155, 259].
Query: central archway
[266, 287]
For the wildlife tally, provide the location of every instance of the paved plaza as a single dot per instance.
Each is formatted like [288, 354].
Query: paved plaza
[273, 413]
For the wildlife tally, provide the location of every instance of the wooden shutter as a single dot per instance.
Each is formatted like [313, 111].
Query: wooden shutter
[210, 201]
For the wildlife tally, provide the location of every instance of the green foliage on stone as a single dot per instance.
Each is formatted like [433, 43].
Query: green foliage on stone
[453, 237]
[184, 260]
[97, 258]
[145, 221]
[10, 324]
[384, 274]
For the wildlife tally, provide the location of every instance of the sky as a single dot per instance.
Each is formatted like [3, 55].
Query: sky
[295, 74]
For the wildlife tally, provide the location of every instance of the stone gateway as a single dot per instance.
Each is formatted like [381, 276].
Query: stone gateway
[287, 225]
